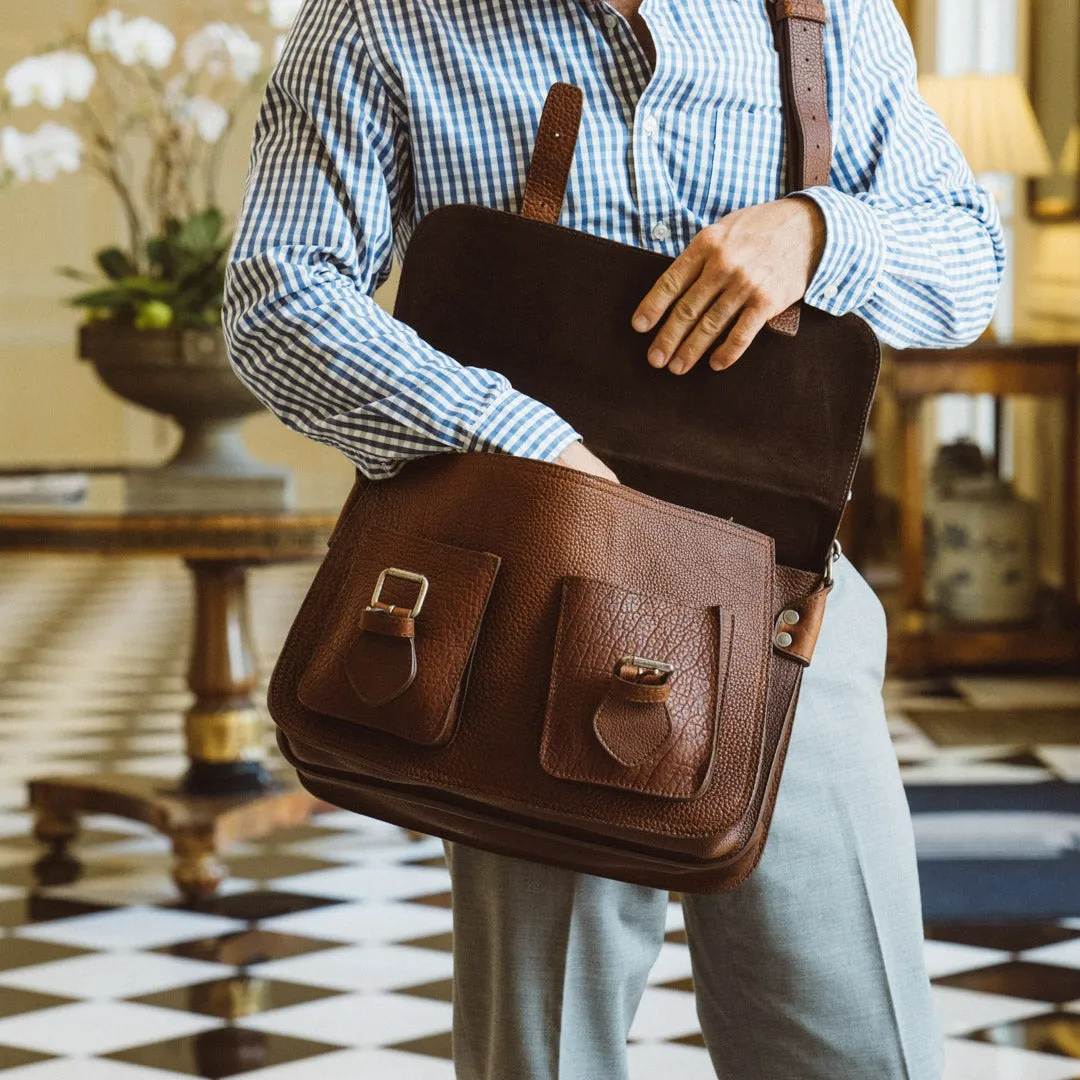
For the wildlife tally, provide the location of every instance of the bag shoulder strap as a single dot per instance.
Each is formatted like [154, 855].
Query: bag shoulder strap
[798, 27]
[799, 30]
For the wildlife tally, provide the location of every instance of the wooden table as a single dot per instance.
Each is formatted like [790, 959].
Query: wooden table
[227, 793]
[922, 641]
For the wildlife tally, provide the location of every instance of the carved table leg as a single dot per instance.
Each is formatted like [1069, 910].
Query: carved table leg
[196, 870]
[224, 734]
[56, 828]
[227, 794]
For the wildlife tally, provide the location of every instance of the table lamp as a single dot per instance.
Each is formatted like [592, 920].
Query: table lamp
[1069, 162]
[994, 124]
[991, 118]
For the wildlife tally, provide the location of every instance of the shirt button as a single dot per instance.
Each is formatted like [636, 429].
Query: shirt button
[610, 21]
[650, 125]
[829, 292]
[661, 231]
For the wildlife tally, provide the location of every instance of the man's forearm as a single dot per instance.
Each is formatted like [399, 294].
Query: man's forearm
[924, 274]
[333, 365]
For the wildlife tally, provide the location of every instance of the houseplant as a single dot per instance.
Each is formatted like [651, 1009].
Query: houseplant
[150, 115]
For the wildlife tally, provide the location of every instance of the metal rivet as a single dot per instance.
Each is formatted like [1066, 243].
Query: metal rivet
[784, 639]
[790, 616]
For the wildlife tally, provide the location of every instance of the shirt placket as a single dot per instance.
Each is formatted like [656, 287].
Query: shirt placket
[657, 218]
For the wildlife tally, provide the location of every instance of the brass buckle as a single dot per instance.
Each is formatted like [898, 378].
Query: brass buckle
[645, 665]
[405, 575]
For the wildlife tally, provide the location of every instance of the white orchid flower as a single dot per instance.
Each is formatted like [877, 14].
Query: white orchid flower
[56, 149]
[219, 48]
[150, 42]
[135, 41]
[78, 73]
[14, 155]
[283, 13]
[42, 155]
[104, 31]
[50, 79]
[208, 119]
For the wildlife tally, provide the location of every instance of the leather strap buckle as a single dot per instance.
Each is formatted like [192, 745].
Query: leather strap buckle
[656, 672]
[834, 553]
[405, 575]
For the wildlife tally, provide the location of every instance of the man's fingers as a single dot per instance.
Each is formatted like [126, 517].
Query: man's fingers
[670, 285]
[741, 336]
[713, 322]
[687, 312]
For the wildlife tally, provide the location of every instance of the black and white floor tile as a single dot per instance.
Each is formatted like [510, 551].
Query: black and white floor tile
[327, 953]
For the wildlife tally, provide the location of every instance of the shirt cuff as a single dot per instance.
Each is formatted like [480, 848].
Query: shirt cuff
[518, 424]
[854, 255]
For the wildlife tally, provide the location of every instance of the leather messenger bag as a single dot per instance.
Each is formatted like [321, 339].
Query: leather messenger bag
[550, 665]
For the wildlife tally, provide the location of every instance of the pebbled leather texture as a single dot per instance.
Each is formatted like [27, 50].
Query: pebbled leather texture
[485, 779]
[380, 666]
[553, 154]
[801, 9]
[800, 39]
[802, 628]
[788, 321]
[634, 733]
[591, 735]
[408, 687]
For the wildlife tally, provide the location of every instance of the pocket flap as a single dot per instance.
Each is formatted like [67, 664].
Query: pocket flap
[401, 636]
[636, 690]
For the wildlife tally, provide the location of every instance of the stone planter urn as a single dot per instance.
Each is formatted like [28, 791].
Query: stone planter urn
[186, 375]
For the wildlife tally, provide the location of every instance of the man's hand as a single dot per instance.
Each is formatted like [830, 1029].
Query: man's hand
[738, 273]
[575, 456]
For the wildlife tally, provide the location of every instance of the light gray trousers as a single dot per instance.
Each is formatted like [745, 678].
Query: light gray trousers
[811, 970]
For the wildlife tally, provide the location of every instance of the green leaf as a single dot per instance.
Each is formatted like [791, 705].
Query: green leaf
[115, 264]
[199, 233]
[74, 274]
[145, 287]
[160, 254]
[103, 298]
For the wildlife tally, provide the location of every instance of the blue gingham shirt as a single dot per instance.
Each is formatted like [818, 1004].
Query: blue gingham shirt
[379, 111]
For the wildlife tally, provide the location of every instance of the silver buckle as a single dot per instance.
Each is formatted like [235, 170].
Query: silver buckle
[645, 665]
[405, 575]
[835, 552]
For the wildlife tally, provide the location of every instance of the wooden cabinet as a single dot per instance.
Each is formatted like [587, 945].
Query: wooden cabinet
[920, 640]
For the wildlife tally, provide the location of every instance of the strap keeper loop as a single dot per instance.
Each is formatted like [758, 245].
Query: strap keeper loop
[812, 10]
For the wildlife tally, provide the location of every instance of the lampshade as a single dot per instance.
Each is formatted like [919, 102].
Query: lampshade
[1069, 162]
[991, 118]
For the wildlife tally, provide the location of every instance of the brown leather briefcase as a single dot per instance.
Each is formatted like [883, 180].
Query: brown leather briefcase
[542, 663]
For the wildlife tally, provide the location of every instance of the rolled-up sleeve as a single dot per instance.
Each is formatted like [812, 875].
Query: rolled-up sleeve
[913, 244]
[330, 174]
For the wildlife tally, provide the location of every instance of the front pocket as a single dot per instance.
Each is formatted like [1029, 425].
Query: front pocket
[382, 669]
[656, 735]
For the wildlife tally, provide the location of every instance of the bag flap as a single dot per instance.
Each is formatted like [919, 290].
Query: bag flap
[772, 442]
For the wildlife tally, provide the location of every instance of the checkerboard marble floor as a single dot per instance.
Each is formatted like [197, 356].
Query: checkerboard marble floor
[328, 953]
